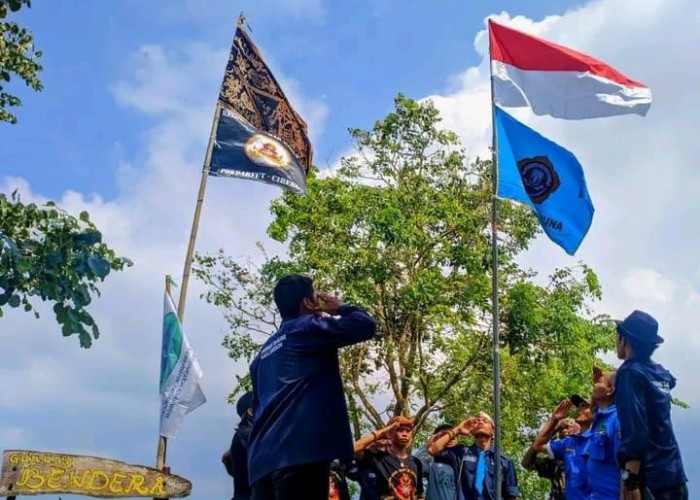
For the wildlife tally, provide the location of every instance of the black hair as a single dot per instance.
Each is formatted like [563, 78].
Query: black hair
[290, 291]
[643, 350]
[442, 428]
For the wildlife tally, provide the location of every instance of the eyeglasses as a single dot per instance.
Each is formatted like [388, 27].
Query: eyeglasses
[482, 436]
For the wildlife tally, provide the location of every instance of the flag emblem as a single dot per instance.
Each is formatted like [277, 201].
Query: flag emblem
[265, 151]
[539, 177]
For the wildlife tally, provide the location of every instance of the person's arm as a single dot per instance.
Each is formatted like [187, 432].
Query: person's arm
[353, 326]
[630, 400]
[510, 482]
[362, 443]
[528, 461]
[463, 429]
[541, 444]
[226, 460]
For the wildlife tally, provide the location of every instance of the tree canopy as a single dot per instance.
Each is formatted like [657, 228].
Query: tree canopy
[47, 253]
[402, 229]
[18, 57]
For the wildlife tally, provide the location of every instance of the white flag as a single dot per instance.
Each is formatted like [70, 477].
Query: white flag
[180, 374]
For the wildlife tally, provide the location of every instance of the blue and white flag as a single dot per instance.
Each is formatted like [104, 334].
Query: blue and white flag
[180, 374]
[547, 177]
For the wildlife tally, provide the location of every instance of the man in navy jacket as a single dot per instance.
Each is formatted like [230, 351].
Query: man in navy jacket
[300, 417]
[649, 453]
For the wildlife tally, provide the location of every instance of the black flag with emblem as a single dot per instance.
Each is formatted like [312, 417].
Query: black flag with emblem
[258, 136]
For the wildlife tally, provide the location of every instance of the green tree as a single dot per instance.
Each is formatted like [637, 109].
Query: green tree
[46, 253]
[17, 57]
[403, 229]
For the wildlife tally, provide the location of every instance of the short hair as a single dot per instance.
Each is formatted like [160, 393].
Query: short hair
[290, 291]
[442, 428]
[486, 417]
[642, 350]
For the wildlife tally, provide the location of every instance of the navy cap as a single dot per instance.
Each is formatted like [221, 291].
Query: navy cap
[640, 327]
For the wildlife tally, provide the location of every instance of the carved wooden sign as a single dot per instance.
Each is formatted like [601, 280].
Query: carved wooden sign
[39, 473]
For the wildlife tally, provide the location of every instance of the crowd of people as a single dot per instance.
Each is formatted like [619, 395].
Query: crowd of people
[294, 440]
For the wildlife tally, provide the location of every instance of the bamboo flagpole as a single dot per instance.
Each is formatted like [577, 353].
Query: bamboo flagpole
[494, 288]
[195, 221]
[162, 440]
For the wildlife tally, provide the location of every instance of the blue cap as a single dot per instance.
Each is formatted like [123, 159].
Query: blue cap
[640, 327]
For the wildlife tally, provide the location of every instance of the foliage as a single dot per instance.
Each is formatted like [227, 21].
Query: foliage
[403, 229]
[17, 56]
[46, 253]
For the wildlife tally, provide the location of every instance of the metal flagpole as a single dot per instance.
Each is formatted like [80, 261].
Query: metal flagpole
[494, 286]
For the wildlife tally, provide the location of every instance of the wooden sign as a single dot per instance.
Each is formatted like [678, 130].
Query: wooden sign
[40, 473]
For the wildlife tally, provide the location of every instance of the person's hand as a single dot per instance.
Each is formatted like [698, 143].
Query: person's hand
[467, 426]
[561, 411]
[597, 374]
[226, 457]
[380, 433]
[328, 303]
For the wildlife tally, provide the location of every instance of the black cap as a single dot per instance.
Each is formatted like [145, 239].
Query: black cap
[244, 403]
[579, 400]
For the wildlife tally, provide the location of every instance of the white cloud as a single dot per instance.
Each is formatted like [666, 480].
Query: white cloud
[642, 285]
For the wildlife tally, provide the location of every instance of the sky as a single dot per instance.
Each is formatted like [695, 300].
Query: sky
[121, 128]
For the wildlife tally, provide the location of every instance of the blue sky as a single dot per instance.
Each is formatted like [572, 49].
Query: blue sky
[120, 130]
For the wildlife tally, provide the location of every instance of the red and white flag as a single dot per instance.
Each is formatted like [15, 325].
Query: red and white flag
[558, 81]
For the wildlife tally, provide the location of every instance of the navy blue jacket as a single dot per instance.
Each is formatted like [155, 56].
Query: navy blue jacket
[643, 399]
[463, 458]
[299, 410]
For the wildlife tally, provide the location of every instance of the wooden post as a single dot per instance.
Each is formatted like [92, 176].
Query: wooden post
[195, 221]
[162, 440]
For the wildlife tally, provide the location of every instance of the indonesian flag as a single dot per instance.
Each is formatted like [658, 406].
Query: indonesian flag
[558, 81]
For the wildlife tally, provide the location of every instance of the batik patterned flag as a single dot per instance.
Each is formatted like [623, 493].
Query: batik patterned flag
[259, 136]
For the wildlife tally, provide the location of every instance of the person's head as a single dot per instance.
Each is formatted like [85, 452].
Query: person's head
[483, 431]
[583, 415]
[295, 296]
[568, 427]
[637, 336]
[440, 430]
[604, 389]
[403, 433]
[244, 405]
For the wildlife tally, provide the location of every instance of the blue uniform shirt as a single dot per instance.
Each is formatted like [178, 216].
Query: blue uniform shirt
[299, 409]
[464, 458]
[643, 399]
[570, 451]
[602, 470]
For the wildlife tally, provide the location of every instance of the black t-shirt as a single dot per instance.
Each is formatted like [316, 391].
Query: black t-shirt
[553, 470]
[338, 485]
[397, 479]
[239, 460]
